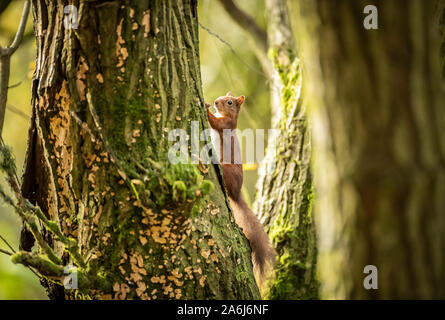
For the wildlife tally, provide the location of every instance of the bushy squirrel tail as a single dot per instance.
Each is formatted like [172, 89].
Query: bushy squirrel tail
[263, 254]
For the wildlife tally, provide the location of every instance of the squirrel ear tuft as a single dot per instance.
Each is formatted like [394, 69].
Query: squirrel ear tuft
[229, 94]
[240, 100]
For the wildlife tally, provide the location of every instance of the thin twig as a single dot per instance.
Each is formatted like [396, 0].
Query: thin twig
[17, 111]
[217, 36]
[6, 252]
[5, 63]
[246, 22]
[21, 29]
[6, 242]
[17, 181]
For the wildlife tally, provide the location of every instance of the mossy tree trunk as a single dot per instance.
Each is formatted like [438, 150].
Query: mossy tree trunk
[284, 189]
[378, 116]
[105, 97]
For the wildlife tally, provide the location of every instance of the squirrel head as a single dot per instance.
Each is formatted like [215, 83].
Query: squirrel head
[228, 105]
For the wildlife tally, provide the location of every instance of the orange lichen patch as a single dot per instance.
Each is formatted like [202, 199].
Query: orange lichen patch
[177, 282]
[60, 137]
[202, 280]
[124, 53]
[131, 12]
[197, 270]
[205, 253]
[160, 231]
[100, 78]
[167, 289]
[136, 133]
[143, 240]
[189, 272]
[96, 217]
[91, 177]
[134, 26]
[140, 290]
[89, 159]
[42, 102]
[122, 291]
[106, 237]
[155, 279]
[122, 270]
[214, 257]
[146, 22]
[156, 232]
[175, 273]
[135, 276]
[121, 52]
[82, 69]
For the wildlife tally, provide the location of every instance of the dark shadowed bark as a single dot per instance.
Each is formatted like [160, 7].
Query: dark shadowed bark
[105, 97]
[284, 189]
[378, 118]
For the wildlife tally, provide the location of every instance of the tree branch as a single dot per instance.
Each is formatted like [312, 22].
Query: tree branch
[21, 29]
[86, 279]
[248, 24]
[5, 60]
[6, 252]
[44, 266]
[7, 243]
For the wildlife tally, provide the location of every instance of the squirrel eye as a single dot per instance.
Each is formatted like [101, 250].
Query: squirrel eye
[230, 102]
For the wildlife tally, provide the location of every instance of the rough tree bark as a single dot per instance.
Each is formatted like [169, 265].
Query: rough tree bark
[284, 189]
[105, 97]
[378, 118]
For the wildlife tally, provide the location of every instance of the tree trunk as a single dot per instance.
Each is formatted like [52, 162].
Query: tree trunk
[105, 97]
[284, 189]
[378, 118]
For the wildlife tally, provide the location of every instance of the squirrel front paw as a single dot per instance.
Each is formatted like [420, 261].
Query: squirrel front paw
[208, 105]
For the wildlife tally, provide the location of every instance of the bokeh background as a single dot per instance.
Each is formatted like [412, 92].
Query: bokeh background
[230, 66]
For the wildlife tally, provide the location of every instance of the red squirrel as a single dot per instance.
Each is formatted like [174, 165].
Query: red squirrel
[263, 254]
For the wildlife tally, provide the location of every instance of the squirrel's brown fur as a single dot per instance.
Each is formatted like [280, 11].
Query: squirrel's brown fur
[263, 253]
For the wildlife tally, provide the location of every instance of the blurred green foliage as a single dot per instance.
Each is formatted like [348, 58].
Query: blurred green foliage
[221, 70]
[17, 282]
